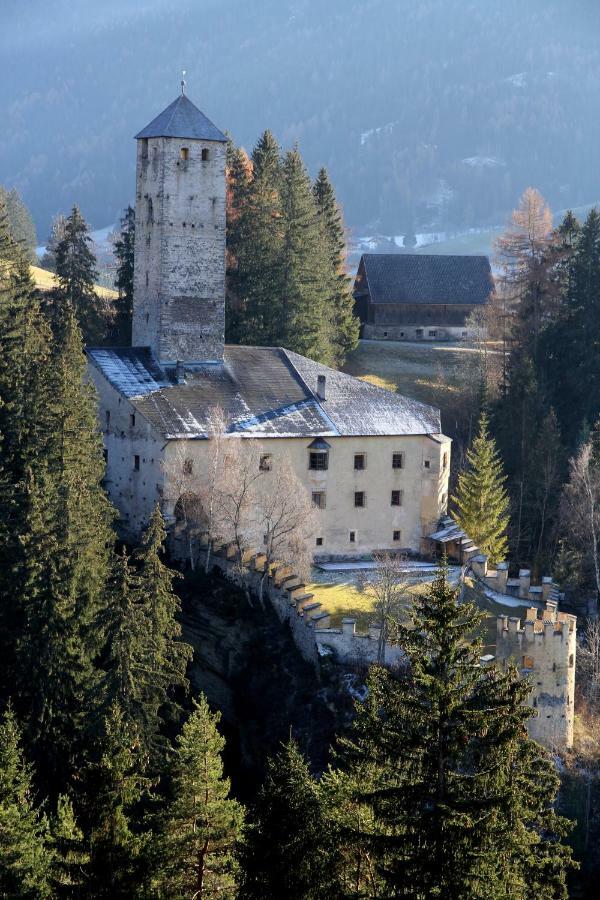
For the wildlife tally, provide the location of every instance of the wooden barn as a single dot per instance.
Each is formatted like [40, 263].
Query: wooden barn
[413, 296]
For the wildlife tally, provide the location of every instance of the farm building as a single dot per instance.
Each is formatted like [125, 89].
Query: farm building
[409, 296]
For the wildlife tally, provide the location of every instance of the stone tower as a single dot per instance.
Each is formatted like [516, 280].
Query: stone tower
[179, 279]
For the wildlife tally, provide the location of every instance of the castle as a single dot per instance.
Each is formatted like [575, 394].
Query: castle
[374, 463]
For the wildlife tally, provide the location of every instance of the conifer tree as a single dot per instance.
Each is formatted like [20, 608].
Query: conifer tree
[70, 854]
[66, 534]
[460, 800]
[124, 246]
[203, 825]
[25, 856]
[77, 273]
[163, 656]
[239, 177]
[304, 316]
[344, 324]
[116, 788]
[290, 826]
[259, 248]
[57, 233]
[481, 502]
[21, 223]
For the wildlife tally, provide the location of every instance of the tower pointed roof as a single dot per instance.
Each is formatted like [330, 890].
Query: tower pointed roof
[181, 119]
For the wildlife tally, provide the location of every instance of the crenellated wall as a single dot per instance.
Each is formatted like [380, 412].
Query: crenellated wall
[543, 647]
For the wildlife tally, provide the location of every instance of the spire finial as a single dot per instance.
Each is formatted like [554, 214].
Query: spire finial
[182, 82]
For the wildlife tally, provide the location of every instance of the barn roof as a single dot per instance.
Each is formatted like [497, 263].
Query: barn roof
[181, 119]
[427, 278]
[263, 392]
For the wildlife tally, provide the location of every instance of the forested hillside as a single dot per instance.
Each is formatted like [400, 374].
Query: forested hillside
[428, 115]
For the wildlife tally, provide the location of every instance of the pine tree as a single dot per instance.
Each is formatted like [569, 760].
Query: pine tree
[25, 856]
[481, 502]
[451, 797]
[163, 656]
[116, 788]
[124, 246]
[304, 324]
[290, 825]
[203, 825]
[77, 273]
[260, 237]
[344, 324]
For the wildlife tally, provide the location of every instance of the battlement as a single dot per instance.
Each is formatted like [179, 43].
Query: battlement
[543, 648]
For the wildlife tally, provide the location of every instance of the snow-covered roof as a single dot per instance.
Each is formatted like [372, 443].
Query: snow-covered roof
[263, 392]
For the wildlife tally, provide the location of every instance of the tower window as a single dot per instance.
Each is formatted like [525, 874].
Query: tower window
[204, 155]
[136, 463]
[144, 148]
[184, 153]
[319, 542]
[150, 216]
[352, 537]
[132, 420]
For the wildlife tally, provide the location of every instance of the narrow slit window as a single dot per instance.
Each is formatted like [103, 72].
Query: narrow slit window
[204, 155]
[136, 463]
[132, 420]
[352, 537]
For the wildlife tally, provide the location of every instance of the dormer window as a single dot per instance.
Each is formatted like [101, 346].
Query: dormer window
[184, 153]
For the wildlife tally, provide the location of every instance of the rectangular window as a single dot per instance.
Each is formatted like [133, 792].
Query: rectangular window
[397, 498]
[319, 499]
[132, 420]
[352, 537]
[136, 463]
[360, 499]
[528, 662]
[432, 333]
[360, 461]
[397, 536]
[419, 332]
[184, 153]
[188, 466]
[427, 463]
[397, 460]
[318, 459]
[265, 462]
[205, 155]
[319, 542]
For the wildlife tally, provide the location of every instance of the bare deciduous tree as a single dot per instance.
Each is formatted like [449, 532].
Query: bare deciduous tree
[287, 520]
[580, 510]
[390, 589]
[588, 665]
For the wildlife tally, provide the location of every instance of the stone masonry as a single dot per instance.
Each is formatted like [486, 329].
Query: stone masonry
[543, 648]
[179, 280]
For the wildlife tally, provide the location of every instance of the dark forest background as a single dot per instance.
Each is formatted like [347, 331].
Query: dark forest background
[431, 114]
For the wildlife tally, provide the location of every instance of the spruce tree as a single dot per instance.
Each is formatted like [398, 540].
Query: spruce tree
[124, 246]
[70, 854]
[239, 177]
[451, 797]
[289, 851]
[25, 855]
[202, 824]
[344, 324]
[481, 502]
[57, 233]
[259, 245]
[65, 530]
[163, 656]
[77, 273]
[116, 788]
[304, 323]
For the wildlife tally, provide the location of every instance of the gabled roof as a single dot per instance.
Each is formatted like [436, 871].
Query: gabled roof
[181, 119]
[427, 278]
[263, 392]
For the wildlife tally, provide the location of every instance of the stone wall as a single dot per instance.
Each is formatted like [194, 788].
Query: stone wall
[425, 333]
[179, 278]
[497, 580]
[543, 647]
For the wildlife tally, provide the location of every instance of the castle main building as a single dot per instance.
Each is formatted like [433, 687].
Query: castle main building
[374, 462]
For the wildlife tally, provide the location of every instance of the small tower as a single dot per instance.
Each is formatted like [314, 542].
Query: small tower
[179, 279]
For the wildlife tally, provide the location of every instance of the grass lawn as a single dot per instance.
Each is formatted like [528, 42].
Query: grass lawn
[45, 281]
[433, 373]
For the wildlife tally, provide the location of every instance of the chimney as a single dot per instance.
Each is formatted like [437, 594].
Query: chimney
[321, 385]
[179, 372]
